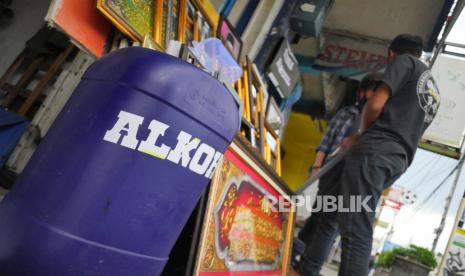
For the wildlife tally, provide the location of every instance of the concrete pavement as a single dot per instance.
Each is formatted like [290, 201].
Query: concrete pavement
[327, 270]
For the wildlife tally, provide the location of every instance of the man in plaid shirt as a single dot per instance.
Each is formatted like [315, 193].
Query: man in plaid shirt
[342, 125]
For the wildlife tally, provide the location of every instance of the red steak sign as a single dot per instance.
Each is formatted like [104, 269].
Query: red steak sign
[350, 57]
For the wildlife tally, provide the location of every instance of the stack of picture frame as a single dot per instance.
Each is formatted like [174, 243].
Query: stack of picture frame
[163, 20]
[257, 127]
[243, 232]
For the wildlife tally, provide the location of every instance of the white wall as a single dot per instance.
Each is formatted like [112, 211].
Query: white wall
[258, 27]
[237, 11]
[29, 17]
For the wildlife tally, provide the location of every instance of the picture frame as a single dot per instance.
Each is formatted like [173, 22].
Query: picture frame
[199, 20]
[245, 92]
[273, 114]
[182, 20]
[238, 200]
[149, 43]
[168, 21]
[272, 148]
[247, 130]
[257, 103]
[231, 40]
[133, 20]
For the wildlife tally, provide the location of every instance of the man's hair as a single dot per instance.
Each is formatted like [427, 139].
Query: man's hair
[368, 82]
[407, 44]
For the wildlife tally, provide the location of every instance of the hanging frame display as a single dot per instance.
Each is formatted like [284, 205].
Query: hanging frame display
[244, 232]
[260, 122]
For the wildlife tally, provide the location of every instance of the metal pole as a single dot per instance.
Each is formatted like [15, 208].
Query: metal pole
[448, 202]
[327, 167]
[455, 15]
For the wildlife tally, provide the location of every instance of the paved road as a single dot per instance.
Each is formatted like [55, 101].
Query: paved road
[327, 270]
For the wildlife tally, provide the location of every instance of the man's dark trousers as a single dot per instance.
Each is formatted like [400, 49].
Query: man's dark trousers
[358, 174]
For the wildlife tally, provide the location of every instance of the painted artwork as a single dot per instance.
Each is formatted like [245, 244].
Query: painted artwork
[133, 17]
[244, 233]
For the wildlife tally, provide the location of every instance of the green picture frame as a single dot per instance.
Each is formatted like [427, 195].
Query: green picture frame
[135, 18]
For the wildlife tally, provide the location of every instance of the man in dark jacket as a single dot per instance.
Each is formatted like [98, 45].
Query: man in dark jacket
[392, 123]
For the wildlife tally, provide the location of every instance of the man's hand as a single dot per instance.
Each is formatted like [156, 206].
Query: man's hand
[349, 142]
[314, 172]
[318, 163]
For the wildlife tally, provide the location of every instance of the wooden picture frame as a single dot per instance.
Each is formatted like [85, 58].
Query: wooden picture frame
[245, 93]
[247, 129]
[273, 114]
[241, 231]
[272, 148]
[231, 40]
[168, 21]
[198, 16]
[134, 21]
[149, 43]
[257, 104]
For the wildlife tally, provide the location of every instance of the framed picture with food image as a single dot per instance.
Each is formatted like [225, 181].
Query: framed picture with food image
[244, 231]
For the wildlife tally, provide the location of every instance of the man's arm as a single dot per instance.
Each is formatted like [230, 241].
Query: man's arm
[370, 114]
[319, 159]
[374, 106]
[323, 148]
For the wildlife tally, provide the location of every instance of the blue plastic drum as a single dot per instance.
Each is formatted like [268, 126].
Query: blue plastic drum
[112, 184]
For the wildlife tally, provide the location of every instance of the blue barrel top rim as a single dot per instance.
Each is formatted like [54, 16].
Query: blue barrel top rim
[145, 54]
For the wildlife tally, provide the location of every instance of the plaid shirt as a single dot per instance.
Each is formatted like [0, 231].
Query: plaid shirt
[340, 127]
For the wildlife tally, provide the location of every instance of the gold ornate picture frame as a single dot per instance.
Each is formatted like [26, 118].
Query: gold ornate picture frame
[133, 18]
[272, 148]
[257, 103]
[243, 230]
[161, 19]
[169, 22]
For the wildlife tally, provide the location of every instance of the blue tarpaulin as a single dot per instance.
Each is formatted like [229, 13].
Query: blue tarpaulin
[12, 126]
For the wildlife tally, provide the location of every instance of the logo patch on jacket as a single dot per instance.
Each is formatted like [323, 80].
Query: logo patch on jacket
[428, 95]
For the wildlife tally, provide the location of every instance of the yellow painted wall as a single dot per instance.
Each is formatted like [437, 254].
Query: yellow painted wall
[301, 136]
